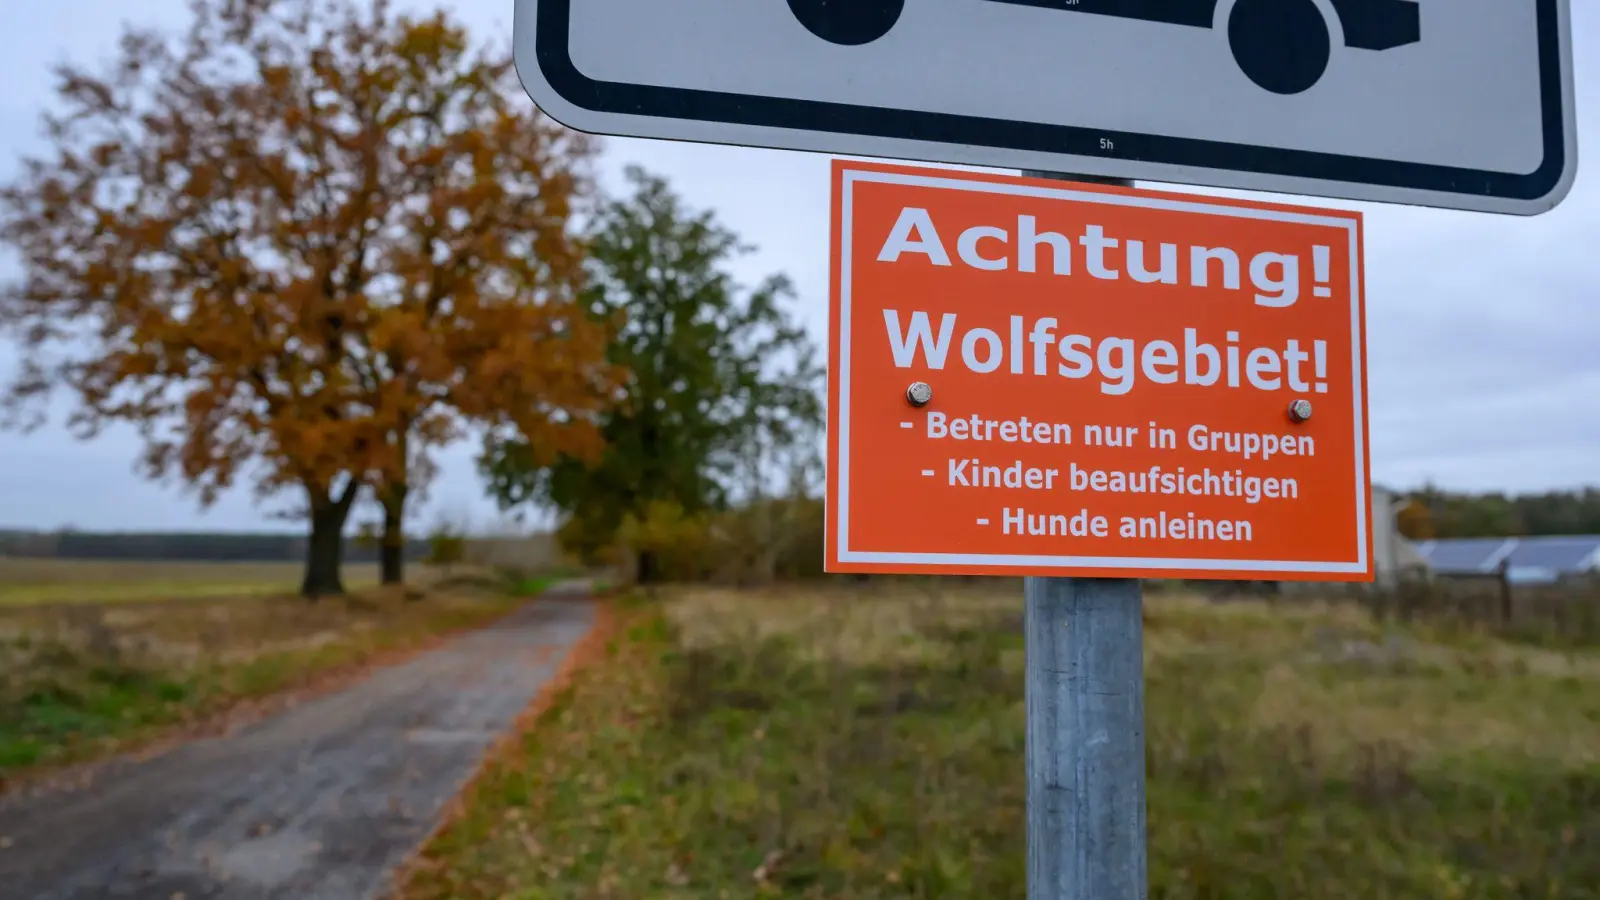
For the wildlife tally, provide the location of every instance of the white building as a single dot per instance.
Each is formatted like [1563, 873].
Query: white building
[1394, 556]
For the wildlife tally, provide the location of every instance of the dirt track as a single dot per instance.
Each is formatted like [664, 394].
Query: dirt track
[318, 803]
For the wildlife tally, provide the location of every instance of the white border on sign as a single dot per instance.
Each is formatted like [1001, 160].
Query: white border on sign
[842, 522]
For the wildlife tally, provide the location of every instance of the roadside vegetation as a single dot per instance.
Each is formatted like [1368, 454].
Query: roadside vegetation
[868, 743]
[81, 679]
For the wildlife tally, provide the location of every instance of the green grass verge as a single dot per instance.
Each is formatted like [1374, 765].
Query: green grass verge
[871, 747]
[535, 585]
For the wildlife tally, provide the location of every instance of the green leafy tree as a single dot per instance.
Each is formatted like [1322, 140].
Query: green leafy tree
[713, 370]
[1453, 514]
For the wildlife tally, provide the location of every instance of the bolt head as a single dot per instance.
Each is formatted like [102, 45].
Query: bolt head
[919, 393]
[1300, 410]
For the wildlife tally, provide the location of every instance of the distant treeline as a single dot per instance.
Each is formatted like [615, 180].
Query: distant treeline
[1446, 514]
[178, 546]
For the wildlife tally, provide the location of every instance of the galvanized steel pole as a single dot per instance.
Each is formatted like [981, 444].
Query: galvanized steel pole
[1085, 752]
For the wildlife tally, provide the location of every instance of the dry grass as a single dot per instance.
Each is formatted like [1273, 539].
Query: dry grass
[49, 581]
[867, 743]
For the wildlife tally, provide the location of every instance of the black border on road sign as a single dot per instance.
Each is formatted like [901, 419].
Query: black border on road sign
[555, 62]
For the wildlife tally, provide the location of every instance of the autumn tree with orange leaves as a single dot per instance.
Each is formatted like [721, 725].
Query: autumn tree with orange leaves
[304, 243]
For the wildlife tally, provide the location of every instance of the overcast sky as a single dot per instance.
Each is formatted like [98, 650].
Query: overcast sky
[1484, 330]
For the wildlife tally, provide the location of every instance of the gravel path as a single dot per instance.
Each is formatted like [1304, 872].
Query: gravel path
[321, 802]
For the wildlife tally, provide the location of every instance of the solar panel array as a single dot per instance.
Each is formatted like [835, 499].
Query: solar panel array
[1552, 557]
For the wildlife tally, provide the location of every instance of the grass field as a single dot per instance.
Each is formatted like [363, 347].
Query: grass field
[37, 581]
[79, 679]
[869, 744]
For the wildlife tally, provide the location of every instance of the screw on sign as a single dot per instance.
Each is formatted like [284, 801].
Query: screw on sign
[1284, 46]
[919, 394]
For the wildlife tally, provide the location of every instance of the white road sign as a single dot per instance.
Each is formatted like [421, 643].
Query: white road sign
[1454, 103]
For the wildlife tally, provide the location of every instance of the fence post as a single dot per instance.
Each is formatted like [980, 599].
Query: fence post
[1507, 609]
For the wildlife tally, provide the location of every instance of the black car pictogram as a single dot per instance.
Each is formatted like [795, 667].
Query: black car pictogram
[1284, 46]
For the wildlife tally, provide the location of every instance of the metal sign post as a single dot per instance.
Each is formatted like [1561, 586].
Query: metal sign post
[1085, 744]
[1085, 755]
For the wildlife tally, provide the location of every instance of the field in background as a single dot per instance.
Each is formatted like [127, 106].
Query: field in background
[39, 581]
[45, 580]
[868, 743]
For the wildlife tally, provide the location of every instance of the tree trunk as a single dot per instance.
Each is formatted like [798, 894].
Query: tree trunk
[647, 574]
[325, 549]
[392, 556]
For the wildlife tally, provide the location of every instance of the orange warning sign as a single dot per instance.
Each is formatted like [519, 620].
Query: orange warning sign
[1036, 377]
